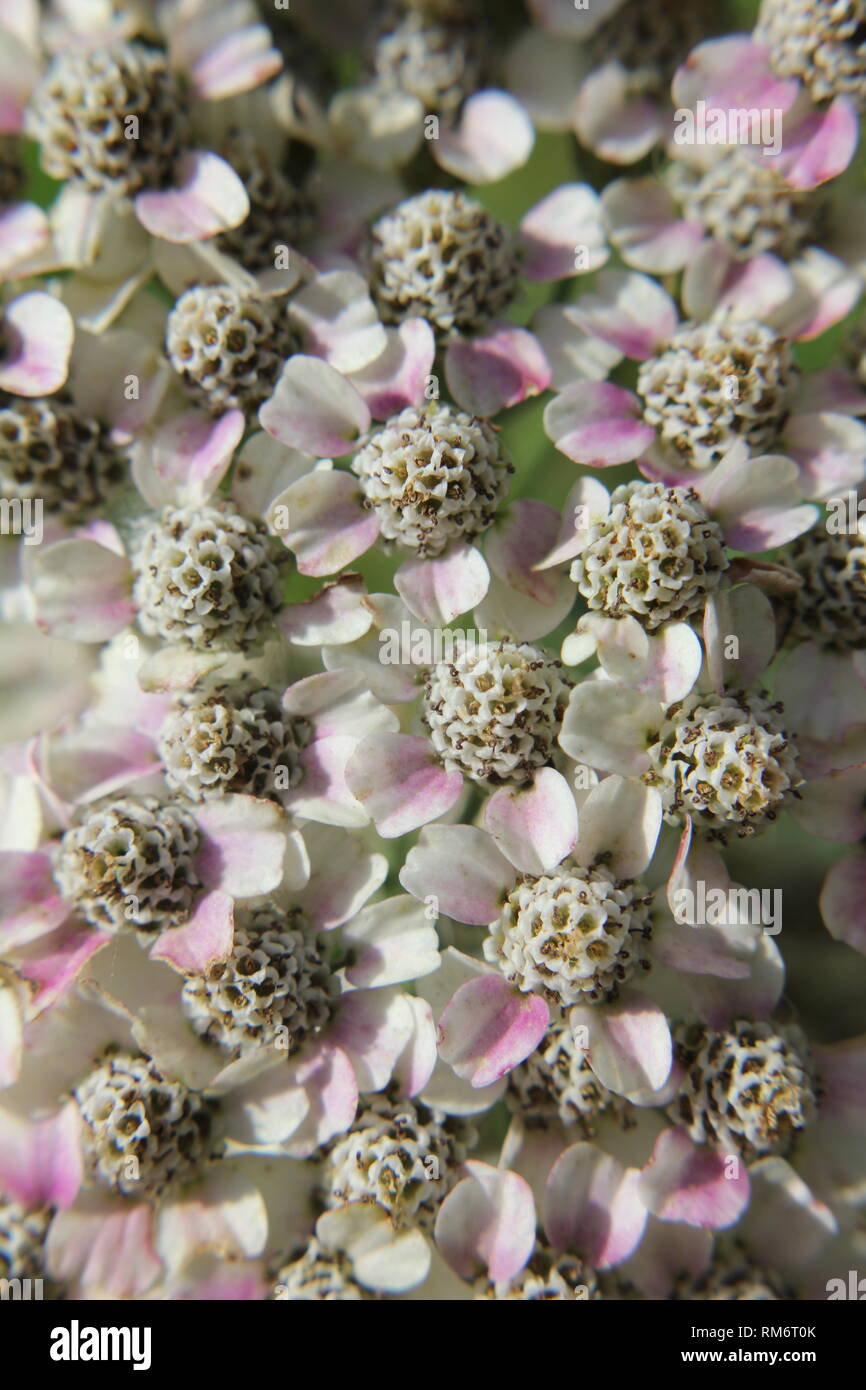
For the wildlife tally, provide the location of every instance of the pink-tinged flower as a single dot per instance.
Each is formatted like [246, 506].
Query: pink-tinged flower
[569, 926]
[36, 334]
[624, 56]
[726, 377]
[717, 749]
[714, 210]
[178, 192]
[128, 1167]
[429, 482]
[132, 863]
[738, 73]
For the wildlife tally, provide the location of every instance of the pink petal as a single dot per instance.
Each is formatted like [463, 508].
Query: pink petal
[416, 1063]
[30, 905]
[336, 614]
[519, 542]
[104, 1248]
[61, 961]
[237, 63]
[461, 868]
[202, 941]
[597, 424]
[487, 1222]
[315, 409]
[714, 281]
[620, 820]
[328, 526]
[629, 311]
[630, 1046]
[188, 457]
[208, 198]
[23, 229]
[732, 72]
[486, 374]
[437, 591]
[592, 1206]
[611, 120]
[81, 591]
[748, 612]
[373, 1027]
[339, 320]
[399, 376]
[488, 1029]
[41, 1162]
[843, 901]
[329, 1082]
[842, 1069]
[567, 220]
[37, 343]
[832, 807]
[682, 1182]
[819, 147]
[645, 227]
[243, 845]
[399, 781]
[493, 138]
[534, 826]
[667, 1251]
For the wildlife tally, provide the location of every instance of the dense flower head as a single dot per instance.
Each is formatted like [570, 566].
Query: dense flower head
[384, 790]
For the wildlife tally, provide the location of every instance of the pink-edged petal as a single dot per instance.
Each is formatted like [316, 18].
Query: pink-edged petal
[587, 501]
[81, 590]
[665, 665]
[23, 229]
[630, 1047]
[732, 72]
[37, 334]
[208, 198]
[487, 1222]
[328, 527]
[336, 614]
[746, 613]
[213, 1280]
[104, 1247]
[387, 1260]
[821, 692]
[187, 458]
[243, 845]
[592, 1206]
[566, 222]
[842, 1068]
[818, 147]
[629, 311]
[488, 1029]
[41, 1161]
[645, 228]
[534, 826]
[518, 548]
[597, 424]
[439, 590]
[500, 369]
[843, 901]
[238, 62]
[716, 283]
[460, 867]
[398, 779]
[373, 1028]
[494, 137]
[339, 320]
[829, 450]
[30, 905]
[611, 120]
[58, 965]
[391, 941]
[202, 941]
[825, 291]
[682, 1182]
[315, 409]
[620, 821]
[717, 1001]
[399, 376]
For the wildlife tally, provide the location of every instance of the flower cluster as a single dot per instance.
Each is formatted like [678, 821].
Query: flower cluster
[380, 909]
